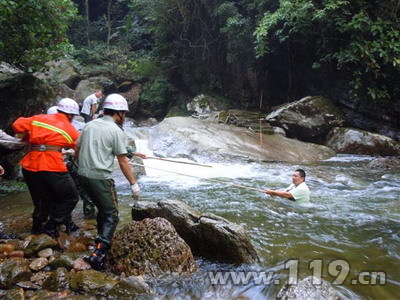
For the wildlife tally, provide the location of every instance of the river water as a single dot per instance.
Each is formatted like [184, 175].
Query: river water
[351, 226]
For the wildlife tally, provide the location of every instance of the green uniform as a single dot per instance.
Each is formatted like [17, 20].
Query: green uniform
[101, 140]
[301, 193]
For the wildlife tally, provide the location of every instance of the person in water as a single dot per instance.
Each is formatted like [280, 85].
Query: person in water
[298, 191]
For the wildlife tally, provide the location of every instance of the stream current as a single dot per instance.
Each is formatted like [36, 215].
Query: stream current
[349, 234]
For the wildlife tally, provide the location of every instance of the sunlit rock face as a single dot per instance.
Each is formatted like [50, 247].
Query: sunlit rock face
[150, 247]
[356, 141]
[201, 139]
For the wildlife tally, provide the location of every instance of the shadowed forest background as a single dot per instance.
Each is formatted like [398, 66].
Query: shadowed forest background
[248, 53]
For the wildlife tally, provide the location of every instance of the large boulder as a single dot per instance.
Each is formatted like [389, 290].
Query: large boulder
[62, 91]
[89, 86]
[356, 141]
[196, 139]
[23, 95]
[204, 104]
[208, 235]
[308, 119]
[62, 71]
[150, 247]
[309, 288]
[132, 96]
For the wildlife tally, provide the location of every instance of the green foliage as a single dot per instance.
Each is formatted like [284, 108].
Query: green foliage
[33, 31]
[143, 67]
[99, 53]
[358, 37]
[156, 92]
[236, 28]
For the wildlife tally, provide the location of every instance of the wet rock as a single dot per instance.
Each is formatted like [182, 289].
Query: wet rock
[80, 264]
[66, 294]
[38, 243]
[29, 95]
[89, 86]
[150, 247]
[46, 253]
[132, 95]
[64, 261]
[194, 139]
[63, 71]
[386, 163]
[18, 244]
[305, 289]
[93, 282]
[138, 171]
[309, 119]
[38, 264]
[147, 122]
[15, 294]
[27, 285]
[208, 235]
[20, 254]
[39, 277]
[57, 281]
[76, 248]
[356, 141]
[12, 271]
[6, 249]
[63, 91]
[128, 288]
[87, 241]
[204, 104]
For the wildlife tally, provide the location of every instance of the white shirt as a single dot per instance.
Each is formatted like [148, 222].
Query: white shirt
[300, 192]
[87, 104]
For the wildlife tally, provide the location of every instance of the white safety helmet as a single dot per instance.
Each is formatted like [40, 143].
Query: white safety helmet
[52, 110]
[68, 106]
[116, 102]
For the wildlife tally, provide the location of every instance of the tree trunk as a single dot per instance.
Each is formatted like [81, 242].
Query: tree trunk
[108, 21]
[87, 22]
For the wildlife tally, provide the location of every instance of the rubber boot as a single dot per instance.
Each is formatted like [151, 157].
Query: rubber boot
[51, 229]
[37, 227]
[70, 227]
[98, 258]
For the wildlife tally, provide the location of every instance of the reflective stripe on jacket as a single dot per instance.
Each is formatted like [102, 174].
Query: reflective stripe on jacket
[54, 130]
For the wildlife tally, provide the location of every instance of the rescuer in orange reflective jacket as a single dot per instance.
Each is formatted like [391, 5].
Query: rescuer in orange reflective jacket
[52, 189]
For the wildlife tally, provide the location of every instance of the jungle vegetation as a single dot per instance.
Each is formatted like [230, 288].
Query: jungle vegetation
[249, 51]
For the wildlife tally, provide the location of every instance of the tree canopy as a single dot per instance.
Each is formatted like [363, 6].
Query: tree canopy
[245, 50]
[33, 31]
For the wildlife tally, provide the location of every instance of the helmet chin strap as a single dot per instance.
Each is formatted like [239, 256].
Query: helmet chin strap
[121, 119]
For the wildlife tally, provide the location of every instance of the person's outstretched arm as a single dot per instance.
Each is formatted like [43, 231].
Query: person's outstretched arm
[282, 194]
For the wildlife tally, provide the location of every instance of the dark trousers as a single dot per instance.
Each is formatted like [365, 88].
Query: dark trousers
[53, 194]
[103, 194]
[86, 117]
